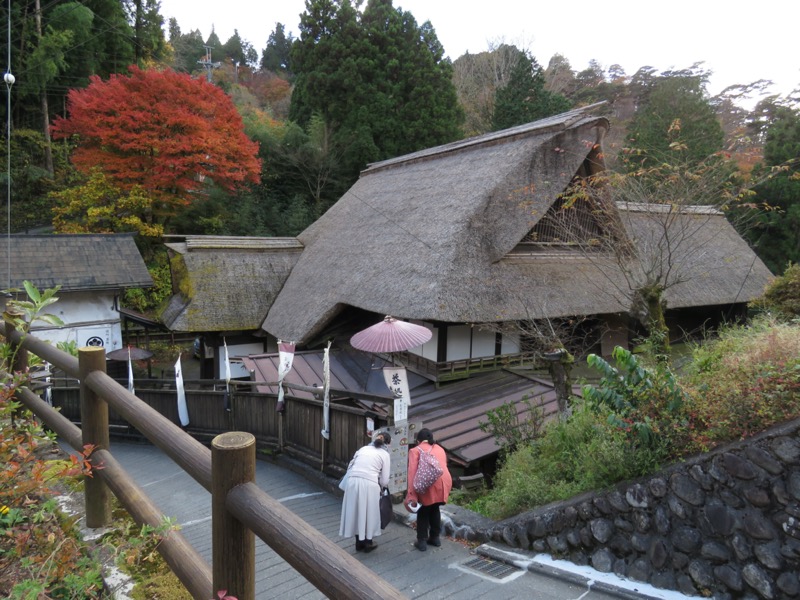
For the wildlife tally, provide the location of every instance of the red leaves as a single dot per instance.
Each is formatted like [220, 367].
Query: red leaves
[162, 130]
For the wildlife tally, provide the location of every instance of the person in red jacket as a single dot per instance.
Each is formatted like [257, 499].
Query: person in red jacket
[429, 518]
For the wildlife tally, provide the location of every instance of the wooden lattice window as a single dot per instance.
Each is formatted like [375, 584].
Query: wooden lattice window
[575, 224]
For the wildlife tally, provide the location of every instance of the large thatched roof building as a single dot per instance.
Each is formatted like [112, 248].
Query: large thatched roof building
[448, 237]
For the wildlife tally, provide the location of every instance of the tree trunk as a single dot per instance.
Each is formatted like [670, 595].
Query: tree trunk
[656, 323]
[48, 150]
[559, 364]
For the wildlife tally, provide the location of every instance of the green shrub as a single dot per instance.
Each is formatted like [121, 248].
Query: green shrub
[783, 294]
[579, 454]
[511, 429]
[745, 381]
[645, 402]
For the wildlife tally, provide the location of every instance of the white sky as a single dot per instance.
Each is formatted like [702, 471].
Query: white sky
[739, 41]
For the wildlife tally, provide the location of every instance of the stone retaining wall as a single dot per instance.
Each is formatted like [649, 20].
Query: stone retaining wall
[725, 523]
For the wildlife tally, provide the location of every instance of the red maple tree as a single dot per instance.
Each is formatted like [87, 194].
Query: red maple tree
[161, 130]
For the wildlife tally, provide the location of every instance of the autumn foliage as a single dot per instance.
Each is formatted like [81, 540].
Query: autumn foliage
[162, 131]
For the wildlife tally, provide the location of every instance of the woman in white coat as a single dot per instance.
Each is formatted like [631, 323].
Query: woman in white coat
[368, 474]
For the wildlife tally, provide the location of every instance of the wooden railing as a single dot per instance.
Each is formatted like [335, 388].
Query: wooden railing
[294, 432]
[240, 509]
[461, 369]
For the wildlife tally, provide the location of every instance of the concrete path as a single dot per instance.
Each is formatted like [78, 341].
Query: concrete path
[453, 571]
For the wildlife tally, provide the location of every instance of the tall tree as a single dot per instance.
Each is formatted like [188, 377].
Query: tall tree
[148, 30]
[524, 98]
[377, 79]
[172, 135]
[477, 77]
[188, 49]
[240, 51]
[677, 100]
[559, 76]
[775, 236]
[277, 55]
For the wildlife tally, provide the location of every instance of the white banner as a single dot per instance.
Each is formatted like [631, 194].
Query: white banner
[285, 359]
[183, 411]
[227, 365]
[130, 373]
[326, 393]
[397, 382]
[226, 401]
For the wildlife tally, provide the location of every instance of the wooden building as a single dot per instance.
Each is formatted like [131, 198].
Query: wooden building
[92, 270]
[456, 238]
[222, 288]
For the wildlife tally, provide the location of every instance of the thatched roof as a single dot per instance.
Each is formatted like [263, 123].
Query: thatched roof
[80, 262]
[226, 283]
[434, 236]
[712, 263]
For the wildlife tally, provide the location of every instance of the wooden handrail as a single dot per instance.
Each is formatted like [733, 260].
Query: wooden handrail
[334, 570]
[192, 456]
[322, 562]
[187, 564]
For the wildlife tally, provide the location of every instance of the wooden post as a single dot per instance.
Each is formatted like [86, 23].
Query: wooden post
[94, 427]
[233, 462]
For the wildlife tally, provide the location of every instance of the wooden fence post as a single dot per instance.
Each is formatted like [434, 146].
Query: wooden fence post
[94, 428]
[233, 462]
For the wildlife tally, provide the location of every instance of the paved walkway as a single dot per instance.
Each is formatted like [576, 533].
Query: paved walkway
[439, 573]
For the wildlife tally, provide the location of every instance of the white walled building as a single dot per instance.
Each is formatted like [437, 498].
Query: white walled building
[92, 270]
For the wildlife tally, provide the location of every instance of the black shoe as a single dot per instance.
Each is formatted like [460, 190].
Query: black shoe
[369, 545]
[421, 545]
[360, 546]
[434, 541]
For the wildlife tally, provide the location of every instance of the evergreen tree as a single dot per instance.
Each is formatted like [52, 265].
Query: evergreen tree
[677, 103]
[148, 31]
[215, 46]
[775, 235]
[379, 81]
[277, 54]
[524, 98]
[239, 51]
[188, 49]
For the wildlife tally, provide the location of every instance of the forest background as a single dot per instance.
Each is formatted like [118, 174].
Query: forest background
[118, 121]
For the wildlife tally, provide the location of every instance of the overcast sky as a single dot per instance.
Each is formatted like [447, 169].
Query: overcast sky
[740, 42]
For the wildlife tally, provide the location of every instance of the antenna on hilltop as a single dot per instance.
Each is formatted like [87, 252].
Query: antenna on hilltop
[208, 64]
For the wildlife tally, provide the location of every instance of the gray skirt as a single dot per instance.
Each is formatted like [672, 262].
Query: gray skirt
[361, 513]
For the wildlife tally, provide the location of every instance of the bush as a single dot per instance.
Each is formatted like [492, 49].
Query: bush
[583, 453]
[745, 381]
[783, 294]
[646, 402]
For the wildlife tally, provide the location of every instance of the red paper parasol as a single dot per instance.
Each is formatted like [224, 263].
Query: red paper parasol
[391, 335]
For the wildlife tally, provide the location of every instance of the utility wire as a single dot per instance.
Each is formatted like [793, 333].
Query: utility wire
[9, 80]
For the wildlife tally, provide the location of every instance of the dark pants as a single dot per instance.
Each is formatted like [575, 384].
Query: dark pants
[429, 521]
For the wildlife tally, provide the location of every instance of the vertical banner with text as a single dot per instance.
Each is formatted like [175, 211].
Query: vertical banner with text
[396, 379]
